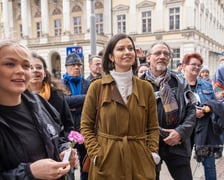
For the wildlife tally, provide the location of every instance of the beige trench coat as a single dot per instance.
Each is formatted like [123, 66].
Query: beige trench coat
[120, 150]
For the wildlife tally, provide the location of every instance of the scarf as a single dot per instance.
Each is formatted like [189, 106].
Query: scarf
[166, 94]
[45, 91]
[74, 83]
[124, 83]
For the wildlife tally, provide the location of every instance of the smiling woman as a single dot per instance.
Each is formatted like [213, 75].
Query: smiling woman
[42, 84]
[14, 70]
[205, 139]
[127, 134]
[30, 147]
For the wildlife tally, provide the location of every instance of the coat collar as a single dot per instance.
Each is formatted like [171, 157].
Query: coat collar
[115, 95]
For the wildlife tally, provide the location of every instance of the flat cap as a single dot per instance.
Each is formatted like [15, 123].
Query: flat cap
[73, 59]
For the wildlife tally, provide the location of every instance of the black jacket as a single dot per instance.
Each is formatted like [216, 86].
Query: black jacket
[14, 163]
[58, 101]
[186, 120]
[209, 128]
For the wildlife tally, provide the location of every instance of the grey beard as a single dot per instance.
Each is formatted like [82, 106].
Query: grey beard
[161, 68]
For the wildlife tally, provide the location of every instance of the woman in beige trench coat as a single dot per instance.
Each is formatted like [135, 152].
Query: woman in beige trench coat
[127, 134]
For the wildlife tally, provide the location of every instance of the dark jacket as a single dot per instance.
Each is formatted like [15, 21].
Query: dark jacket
[13, 159]
[57, 100]
[186, 120]
[90, 78]
[75, 103]
[206, 130]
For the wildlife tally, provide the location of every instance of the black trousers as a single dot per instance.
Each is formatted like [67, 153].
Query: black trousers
[81, 153]
[178, 166]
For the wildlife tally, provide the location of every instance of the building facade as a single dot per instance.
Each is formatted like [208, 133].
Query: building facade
[54, 28]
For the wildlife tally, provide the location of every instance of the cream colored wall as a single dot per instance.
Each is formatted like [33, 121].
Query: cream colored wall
[202, 43]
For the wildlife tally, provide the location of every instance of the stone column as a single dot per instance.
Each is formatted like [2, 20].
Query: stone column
[190, 6]
[24, 18]
[159, 15]
[107, 15]
[133, 16]
[45, 18]
[87, 13]
[5, 9]
[12, 32]
[66, 16]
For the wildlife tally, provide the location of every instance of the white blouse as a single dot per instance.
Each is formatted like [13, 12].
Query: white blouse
[124, 83]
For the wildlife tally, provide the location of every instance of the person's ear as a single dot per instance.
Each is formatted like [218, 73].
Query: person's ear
[111, 57]
[183, 66]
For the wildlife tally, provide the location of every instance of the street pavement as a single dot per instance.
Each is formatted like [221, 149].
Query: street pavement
[197, 170]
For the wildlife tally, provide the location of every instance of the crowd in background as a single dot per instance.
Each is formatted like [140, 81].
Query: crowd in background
[147, 114]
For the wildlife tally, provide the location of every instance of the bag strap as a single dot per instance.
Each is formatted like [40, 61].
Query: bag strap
[98, 108]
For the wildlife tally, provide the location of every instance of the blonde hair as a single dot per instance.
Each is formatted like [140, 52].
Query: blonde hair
[16, 46]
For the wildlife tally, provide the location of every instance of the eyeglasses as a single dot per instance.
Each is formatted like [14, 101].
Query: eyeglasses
[158, 53]
[196, 65]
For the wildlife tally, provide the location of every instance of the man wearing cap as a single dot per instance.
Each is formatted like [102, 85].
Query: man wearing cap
[77, 87]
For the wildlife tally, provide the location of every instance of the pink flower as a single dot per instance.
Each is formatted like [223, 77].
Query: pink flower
[75, 137]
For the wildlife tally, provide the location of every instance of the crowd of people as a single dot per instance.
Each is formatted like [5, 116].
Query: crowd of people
[133, 111]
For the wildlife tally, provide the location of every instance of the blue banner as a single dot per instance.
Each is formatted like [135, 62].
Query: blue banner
[74, 49]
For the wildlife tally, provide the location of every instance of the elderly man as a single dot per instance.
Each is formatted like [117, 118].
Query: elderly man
[76, 88]
[176, 112]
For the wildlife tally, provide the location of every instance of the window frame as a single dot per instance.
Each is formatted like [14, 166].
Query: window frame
[147, 24]
[77, 28]
[176, 18]
[57, 29]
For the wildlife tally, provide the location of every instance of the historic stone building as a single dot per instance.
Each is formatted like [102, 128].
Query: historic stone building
[54, 28]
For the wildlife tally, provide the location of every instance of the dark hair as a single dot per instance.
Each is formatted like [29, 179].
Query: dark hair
[47, 78]
[100, 53]
[178, 64]
[107, 63]
[188, 56]
[143, 64]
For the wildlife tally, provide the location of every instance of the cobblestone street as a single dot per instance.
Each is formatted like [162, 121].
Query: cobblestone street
[197, 171]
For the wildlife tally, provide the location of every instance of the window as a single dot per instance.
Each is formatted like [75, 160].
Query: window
[99, 23]
[176, 53]
[174, 15]
[57, 27]
[38, 29]
[77, 23]
[121, 24]
[21, 30]
[146, 21]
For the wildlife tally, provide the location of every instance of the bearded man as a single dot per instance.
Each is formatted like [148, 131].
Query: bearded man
[176, 112]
